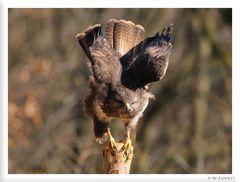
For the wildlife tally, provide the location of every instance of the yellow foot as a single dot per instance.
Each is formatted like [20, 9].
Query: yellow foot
[128, 148]
[112, 143]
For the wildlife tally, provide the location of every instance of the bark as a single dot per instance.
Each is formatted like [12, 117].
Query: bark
[115, 161]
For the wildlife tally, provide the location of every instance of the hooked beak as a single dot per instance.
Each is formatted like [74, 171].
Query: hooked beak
[128, 107]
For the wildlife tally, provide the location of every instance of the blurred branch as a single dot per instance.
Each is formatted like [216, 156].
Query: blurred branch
[56, 118]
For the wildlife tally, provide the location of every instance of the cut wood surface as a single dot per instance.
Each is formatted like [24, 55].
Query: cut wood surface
[116, 161]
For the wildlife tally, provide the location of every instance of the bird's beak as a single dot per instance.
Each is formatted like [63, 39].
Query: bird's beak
[128, 107]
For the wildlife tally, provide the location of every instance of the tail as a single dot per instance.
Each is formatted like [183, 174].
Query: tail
[123, 35]
[86, 39]
[100, 130]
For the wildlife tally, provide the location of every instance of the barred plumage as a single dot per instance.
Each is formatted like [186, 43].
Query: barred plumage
[123, 63]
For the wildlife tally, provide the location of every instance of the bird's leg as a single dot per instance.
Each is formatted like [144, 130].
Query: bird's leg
[127, 146]
[111, 140]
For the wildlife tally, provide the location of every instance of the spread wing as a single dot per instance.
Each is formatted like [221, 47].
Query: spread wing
[105, 65]
[148, 61]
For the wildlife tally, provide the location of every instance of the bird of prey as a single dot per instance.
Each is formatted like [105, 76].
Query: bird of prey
[122, 64]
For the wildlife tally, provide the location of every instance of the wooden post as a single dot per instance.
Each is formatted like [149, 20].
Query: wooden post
[116, 161]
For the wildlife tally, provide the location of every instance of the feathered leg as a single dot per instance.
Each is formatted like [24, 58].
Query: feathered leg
[102, 133]
[100, 130]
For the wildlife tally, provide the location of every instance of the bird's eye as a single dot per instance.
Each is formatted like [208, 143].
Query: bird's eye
[133, 103]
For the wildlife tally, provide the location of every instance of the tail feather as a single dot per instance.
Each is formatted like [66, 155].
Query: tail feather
[109, 30]
[120, 38]
[123, 35]
[139, 34]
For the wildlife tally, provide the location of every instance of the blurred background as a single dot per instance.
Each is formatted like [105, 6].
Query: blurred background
[187, 129]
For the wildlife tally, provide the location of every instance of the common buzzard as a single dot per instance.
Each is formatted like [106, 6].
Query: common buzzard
[122, 64]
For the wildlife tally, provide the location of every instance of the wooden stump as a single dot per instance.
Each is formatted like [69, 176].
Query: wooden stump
[116, 161]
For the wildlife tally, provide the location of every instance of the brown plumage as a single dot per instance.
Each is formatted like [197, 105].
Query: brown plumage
[123, 63]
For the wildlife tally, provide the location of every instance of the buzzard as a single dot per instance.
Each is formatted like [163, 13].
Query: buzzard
[122, 65]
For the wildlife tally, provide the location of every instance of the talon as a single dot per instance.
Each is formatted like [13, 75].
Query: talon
[127, 144]
[128, 158]
[127, 147]
[129, 152]
[122, 149]
[112, 142]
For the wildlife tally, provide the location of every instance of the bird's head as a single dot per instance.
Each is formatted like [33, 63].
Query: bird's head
[126, 100]
[127, 104]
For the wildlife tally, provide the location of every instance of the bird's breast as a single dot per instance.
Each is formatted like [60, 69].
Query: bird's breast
[117, 111]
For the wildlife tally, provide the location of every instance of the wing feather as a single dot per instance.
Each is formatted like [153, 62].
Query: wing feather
[87, 38]
[143, 61]
[105, 65]
[150, 61]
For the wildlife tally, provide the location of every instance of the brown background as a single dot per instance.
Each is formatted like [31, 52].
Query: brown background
[186, 130]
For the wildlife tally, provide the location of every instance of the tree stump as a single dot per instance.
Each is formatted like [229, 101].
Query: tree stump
[116, 161]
